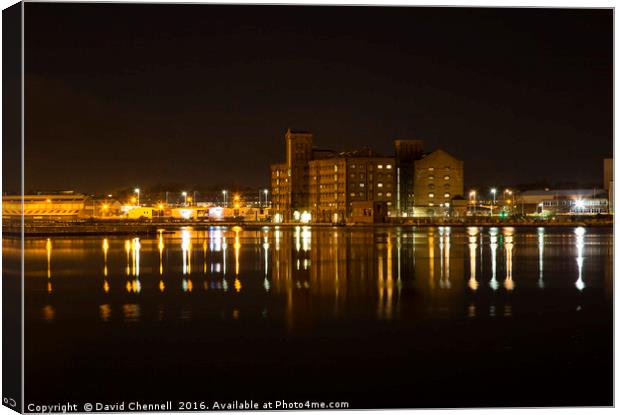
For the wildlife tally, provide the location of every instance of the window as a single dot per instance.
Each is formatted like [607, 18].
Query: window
[352, 194]
[361, 184]
[379, 166]
[446, 177]
[431, 177]
[446, 195]
[388, 194]
[379, 184]
[379, 194]
[335, 167]
[352, 166]
[431, 195]
[431, 169]
[389, 166]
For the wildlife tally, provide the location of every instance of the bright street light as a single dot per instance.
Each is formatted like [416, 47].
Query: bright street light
[137, 191]
[184, 197]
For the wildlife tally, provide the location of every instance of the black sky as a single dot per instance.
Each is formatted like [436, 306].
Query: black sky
[123, 95]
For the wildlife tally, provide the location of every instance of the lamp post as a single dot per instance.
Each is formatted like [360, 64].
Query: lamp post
[224, 195]
[266, 191]
[184, 198]
[493, 191]
[137, 192]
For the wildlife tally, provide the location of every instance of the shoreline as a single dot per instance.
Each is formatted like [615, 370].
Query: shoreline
[151, 228]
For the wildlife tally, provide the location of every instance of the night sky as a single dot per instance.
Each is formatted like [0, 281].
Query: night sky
[137, 95]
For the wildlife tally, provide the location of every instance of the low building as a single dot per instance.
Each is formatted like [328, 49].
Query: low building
[368, 212]
[45, 206]
[564, 202]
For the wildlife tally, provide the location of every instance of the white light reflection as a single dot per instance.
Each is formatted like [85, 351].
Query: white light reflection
[493, 244]
[541, 253]
[508, 245]
[579, 243]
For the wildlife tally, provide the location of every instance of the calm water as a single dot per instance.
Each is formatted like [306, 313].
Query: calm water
[378, 317]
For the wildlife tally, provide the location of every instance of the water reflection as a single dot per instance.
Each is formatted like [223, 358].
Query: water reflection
[508, 245]
[444, 264]
[493, 244]
[579, 243]
[541, 254]
[328, 270]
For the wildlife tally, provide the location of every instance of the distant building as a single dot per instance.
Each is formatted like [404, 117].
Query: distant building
[325, 184]
[44, 206]
[608, 181]
[339, 181]
[438, 178]
[564, 202]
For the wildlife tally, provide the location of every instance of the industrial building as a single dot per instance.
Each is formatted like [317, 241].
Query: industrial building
[347, 186]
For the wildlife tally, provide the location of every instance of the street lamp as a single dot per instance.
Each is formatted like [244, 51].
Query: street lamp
[224, 195]
[137, 192]
[184, 198]
[266, 191]
[493, 191]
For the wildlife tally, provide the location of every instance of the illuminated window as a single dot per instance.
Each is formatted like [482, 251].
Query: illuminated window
[379, 184]
[335, 167]
[446, 177]
[361, 184]
[352, 166]
[388, 194]
[431, 204]
[352, 194]
[379, 194]
[379, 166]
[431, 195]
[389, 203]
[431, 169]
[446, 195]
[431, 177]
[389, 166]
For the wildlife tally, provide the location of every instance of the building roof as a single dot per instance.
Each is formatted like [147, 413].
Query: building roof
[566, 192]
[360, 152]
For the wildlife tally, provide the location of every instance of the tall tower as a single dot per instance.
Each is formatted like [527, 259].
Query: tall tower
[407, 151]
[298, 155]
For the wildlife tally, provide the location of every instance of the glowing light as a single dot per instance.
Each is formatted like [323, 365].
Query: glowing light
[305, 217]
[105, 206]
[580, 204]
[186, 213]
[296, 215]
[160, 206]
[580, 231]
[277, 218]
